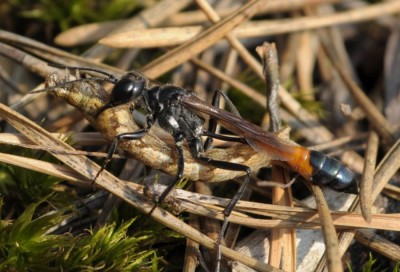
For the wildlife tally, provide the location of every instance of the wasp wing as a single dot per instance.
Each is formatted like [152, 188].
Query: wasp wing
[259, 139]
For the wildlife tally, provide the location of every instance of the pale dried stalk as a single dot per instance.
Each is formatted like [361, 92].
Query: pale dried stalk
[47, 168]
[306, 54]
[168, 36]
[385, 170]
[38, 66]
[283, 241]
[288, 216]
[285, 217]
[192, 248]
[149, 17]
[333, 257]
[274, 6]
[358, 15]
[379, 244]
[88, 33]
[392, 191]
[204, 40]
[368, 175]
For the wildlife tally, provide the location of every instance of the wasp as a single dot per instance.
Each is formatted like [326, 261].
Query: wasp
[180, 113]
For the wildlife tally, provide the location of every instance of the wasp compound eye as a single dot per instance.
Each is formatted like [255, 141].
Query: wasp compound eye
[125, 90]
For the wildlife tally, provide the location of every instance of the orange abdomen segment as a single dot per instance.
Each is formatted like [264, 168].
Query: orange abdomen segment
[300, 162]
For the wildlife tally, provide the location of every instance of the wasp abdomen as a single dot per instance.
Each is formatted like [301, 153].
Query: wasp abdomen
[332, 173]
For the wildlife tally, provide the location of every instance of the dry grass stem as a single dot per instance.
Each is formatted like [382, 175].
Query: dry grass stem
[379, 244]
[207, 38]
[328, 231]
[368, 175]
[167, 36]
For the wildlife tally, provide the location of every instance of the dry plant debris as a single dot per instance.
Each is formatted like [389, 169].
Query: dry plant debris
[338, 92]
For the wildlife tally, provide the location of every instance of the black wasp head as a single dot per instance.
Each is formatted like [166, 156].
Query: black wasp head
[129, 87]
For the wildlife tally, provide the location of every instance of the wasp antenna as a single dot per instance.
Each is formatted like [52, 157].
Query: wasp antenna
[66, 84]
[112, 78]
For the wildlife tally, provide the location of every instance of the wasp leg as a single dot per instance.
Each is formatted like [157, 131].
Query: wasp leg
[123, 136]
[212, 123]
[181, 163]
[210, 133]
[227, 138]
[195, 148]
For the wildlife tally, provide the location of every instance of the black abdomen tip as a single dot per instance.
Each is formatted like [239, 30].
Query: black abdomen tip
[332, 173]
